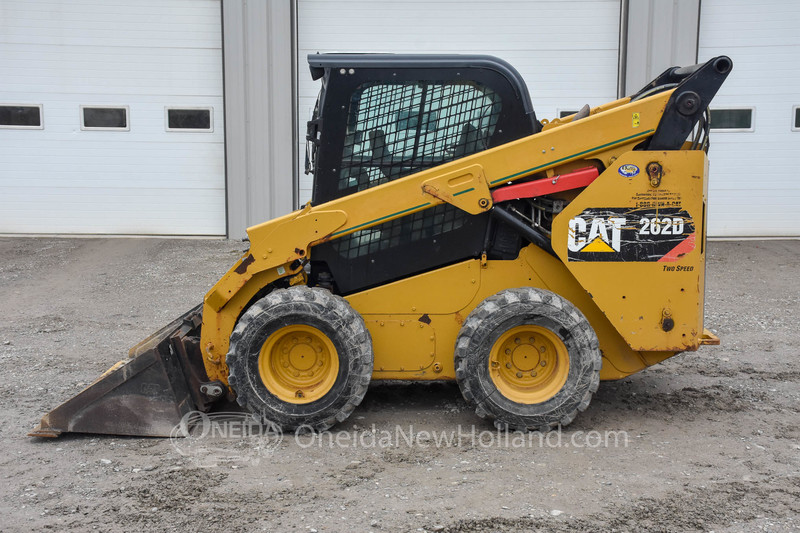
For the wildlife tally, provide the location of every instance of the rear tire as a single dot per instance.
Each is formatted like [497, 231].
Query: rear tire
[300, 358]
[527, 359]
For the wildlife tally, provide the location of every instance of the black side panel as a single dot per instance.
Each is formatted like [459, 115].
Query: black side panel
[403, 247]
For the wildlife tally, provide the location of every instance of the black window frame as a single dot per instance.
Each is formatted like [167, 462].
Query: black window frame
[752, 127]
[169, 108]
[40, 107]
[82, 117]
[796, 118]
[343, 74]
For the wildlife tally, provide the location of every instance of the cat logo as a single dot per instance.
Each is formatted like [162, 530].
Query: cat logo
[596, 234]
[615, 234]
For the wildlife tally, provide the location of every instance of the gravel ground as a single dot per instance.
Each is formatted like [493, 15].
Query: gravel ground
[713, 437]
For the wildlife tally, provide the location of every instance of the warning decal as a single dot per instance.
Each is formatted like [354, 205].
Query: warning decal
[625, 234]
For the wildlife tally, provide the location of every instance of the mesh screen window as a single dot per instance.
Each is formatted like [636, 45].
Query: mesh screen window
[394, 130]
[422, 225]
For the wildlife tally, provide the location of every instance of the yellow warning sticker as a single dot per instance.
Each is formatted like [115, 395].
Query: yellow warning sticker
[636, 120]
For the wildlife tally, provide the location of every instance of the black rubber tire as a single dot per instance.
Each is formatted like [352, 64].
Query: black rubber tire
[316, 307]
[508, 309]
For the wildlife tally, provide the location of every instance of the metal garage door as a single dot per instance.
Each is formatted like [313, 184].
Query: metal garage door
[754, 186]
[566, 51]
[106, 80]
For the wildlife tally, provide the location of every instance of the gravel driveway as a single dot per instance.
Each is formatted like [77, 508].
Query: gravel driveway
[706, 441]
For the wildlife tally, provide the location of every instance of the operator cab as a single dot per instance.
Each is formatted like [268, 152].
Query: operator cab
[380, 117]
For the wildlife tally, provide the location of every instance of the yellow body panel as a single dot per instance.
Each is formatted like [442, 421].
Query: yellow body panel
[639, 296]
[466, 188]
[445, 296]
[408, 344]
[394, 349]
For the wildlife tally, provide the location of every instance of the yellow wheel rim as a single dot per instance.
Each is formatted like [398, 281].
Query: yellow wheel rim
[298, 364]
[529, 364]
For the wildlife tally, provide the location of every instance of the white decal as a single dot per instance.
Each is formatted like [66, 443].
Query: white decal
[663, 226]
[599, 230]
[575, 243]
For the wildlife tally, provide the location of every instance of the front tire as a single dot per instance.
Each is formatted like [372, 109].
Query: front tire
[300, 357]
[527, 359]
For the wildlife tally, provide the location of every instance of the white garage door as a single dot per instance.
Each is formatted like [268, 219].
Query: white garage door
[754, 185]
[89, 91]
[567, 52]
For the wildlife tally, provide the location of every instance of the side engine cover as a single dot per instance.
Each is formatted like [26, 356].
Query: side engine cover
[635, 240]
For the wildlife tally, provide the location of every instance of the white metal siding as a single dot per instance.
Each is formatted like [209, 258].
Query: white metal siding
[566, 51]
[141, 54]
[754, 185]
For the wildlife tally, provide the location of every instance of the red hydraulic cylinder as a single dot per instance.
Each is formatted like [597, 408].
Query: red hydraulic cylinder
[564, 182]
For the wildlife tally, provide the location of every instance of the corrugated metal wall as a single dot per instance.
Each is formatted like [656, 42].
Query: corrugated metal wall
[659, 35]
[259, 105]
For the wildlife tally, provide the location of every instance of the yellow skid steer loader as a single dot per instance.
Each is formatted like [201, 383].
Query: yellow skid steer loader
[451, 236]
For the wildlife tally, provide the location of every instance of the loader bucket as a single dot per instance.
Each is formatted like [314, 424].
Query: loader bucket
[144, 395]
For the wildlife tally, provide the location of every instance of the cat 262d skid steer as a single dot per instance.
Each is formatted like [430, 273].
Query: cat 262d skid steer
[451, 236]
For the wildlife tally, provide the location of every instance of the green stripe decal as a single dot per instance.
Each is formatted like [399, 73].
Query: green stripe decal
[528, 171]
[381, 218]
[534, 169]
